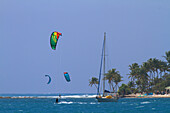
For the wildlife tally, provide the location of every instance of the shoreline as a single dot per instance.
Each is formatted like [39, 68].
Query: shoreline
[147, 96]
[125, 96]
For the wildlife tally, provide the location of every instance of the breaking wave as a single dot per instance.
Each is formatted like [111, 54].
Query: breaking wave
[63, 97]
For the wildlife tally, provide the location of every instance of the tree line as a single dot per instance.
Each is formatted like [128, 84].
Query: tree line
[153, 75]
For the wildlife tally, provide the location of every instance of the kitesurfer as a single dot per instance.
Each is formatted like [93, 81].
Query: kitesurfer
[56, 100]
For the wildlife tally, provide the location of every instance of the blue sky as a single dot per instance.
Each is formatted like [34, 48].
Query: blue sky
[136, 31]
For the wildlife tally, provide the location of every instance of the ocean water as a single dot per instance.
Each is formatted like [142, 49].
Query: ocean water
[81, 103]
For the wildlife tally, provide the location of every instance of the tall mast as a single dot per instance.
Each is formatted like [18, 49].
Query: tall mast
[101, 64]
[104, 64]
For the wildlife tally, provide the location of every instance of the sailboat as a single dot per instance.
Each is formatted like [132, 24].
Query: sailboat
[107, 95]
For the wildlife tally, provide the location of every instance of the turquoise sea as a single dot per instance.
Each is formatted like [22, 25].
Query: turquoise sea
[80, 103]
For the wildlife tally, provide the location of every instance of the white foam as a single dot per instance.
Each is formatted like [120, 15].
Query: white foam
[93, 103]
[140, 107]
[66, 96]
[82, 102]
[79, 96]
[145, 102]
[47, 96]
[64, 102]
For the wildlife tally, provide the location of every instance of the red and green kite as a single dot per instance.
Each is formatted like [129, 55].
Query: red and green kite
[54, 39]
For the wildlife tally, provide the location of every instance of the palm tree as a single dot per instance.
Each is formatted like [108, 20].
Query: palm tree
[131, 86]
[152, 68]
[156, 65]
[109, 76]
[117, 78]
[146, 67]
[167, 57]
[94, 81]
[143, 78]
[163, 67]
[113, 76]
[151, 74]
[134, 70]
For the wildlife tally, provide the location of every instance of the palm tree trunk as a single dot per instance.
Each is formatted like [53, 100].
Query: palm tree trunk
[157, 74]
[95, 86]
[112, 87]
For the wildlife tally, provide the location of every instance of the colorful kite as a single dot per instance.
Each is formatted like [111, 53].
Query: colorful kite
[49, 80]
[54, 39]
[67, 77]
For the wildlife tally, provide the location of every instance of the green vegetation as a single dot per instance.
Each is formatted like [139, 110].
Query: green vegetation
[124, 90]
[113, 76]
[94, 81]
[153, 75]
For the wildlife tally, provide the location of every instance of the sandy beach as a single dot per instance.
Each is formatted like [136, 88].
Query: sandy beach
[147, 96]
